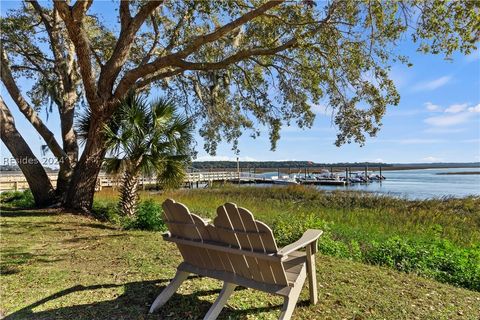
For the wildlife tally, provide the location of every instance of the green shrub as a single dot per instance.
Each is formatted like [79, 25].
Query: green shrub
[148, 217]
[106, 211]
[438, 259]
[18, 199]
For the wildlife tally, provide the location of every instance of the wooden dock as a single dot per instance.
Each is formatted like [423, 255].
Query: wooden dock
[197, 179]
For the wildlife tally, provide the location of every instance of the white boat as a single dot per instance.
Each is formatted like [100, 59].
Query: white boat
[284, 180]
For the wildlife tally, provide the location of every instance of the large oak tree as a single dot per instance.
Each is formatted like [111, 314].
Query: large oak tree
[235, 65]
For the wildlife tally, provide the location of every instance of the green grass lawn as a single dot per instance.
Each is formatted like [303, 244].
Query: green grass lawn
[60, 266]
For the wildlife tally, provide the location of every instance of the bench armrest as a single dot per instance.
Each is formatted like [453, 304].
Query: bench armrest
[310, 236]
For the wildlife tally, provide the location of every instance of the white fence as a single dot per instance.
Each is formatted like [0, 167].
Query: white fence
[18, 182]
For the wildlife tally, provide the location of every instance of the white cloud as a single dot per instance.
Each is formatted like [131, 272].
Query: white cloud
[403, 113]
[454, 115]
[432, 107]
[475, 109]
[431, 159]
[448, 120]
[456, 108]
[400, 76]
[433, 84]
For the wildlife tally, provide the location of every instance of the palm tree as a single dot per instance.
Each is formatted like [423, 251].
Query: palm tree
[149, 139]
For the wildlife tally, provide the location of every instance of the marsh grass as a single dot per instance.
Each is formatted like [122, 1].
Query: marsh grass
[437, 238]
[350, 214]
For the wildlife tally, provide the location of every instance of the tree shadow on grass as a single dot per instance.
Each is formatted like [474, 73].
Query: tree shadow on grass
[26, 212]
[13, 259]
[98, 226]
[134, 303]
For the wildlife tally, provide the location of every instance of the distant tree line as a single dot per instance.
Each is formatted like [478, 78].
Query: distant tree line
[206, 165]
[278, 164]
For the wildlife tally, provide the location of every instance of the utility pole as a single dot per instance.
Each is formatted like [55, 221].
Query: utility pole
[238, 169]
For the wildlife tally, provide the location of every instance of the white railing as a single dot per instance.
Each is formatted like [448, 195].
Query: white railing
[18, 181]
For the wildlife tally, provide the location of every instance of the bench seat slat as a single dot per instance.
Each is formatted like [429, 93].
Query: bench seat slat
[239, 280]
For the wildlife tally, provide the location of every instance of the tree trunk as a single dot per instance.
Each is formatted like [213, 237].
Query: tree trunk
[31, 167]
[70, 147]
[82, 184]
[128, 194]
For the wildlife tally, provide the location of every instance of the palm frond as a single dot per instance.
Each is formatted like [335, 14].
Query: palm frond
[114, 166]
[82, 125]
[153, 138]
[172, 174]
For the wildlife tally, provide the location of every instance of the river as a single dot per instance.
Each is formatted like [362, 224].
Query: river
[421, 184]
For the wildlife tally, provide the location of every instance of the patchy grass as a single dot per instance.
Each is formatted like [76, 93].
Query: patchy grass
[60, 266]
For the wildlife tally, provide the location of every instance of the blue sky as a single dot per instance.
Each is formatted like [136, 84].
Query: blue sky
[437, 120]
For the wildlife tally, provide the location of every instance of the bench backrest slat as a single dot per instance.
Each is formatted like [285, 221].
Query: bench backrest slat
[233, 228]
[183, 224]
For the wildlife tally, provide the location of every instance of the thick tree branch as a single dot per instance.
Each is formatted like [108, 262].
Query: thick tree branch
[34, 172]
[59, 65]
[73, 18]
[27, 110]
[66, 95]
[141, 84]
[80, 8]
[129, 28]
[175, 58]
[220, 32]
[125, 15]
[241, 55]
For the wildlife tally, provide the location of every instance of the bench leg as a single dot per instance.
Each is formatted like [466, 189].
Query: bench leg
[168, 292]
[218, 305]
[289, 304]
[292, 298]
[312, 275]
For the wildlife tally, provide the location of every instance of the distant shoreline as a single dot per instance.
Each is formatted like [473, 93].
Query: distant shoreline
[317, 169]
[458, 173]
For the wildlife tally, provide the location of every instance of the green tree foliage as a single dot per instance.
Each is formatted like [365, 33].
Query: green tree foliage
[237, 66]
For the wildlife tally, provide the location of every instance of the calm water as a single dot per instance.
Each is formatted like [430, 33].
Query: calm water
[421, 184]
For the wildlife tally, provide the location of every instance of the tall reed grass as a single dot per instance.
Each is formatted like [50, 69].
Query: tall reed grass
[437, 238]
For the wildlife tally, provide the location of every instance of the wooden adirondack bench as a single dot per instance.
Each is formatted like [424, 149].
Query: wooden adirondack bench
[240, 251]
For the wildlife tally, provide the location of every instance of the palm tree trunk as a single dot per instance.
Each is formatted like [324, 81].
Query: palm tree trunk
[128, 193]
